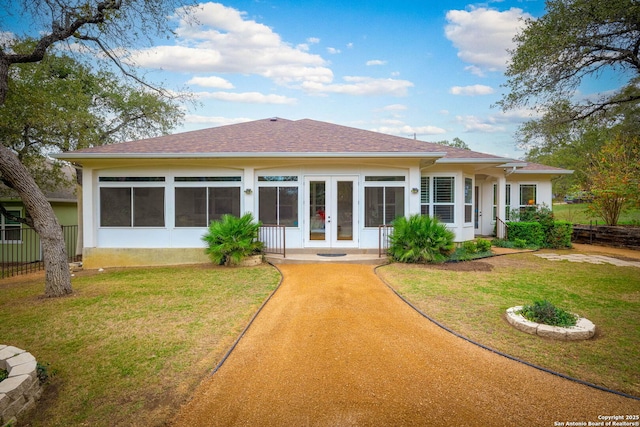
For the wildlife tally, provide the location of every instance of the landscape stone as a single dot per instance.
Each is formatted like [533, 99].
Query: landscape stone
[19, 360]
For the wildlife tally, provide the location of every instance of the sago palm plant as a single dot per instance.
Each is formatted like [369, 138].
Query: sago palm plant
[420, 239]
[232, 239]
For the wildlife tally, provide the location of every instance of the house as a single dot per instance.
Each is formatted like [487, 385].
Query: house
[149, 201]
[21, 244]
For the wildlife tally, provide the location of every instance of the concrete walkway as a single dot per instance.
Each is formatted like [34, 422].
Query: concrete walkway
[590, 259]
[336, 347]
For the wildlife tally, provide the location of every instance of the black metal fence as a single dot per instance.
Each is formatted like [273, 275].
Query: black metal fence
[21, 250]
[384, 231]
[273, 237]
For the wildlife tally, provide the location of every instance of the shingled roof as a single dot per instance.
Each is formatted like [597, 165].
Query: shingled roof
[277, 136]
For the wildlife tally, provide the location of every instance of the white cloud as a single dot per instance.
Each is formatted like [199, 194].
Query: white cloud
[406, 130]
[333, 50]
[395, 107]
[211, 81]
[476, 124]
[350, 45]
[482, 36]
[376, 62]
[471, 90]
[219, 39]
[313, 40]
[361, 86]
[247, 97]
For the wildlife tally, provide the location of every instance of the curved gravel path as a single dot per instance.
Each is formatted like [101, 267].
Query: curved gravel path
[335, 347]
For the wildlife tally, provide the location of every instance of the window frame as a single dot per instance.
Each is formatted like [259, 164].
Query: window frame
[133, 182]
[206, 183]
[280, 182]
[535, 195]
[13, 225]
[384, 181]
[430, 207]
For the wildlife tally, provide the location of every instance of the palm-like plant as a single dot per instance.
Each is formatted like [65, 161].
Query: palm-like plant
[231, 239]
[420, 239]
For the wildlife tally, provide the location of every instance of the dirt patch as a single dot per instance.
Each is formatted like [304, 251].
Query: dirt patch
[335, 346]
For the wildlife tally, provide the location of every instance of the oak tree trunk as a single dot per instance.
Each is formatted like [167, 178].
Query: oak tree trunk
[57, 274]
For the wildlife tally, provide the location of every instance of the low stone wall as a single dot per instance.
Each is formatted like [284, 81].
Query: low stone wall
[604, 235]
[583, 330]
[20, 391]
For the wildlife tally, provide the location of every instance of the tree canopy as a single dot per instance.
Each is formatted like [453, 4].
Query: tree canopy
[573, 41]
[103, 29]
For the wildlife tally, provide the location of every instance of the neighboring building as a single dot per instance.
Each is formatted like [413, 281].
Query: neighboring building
[150, 201]
[19, 243]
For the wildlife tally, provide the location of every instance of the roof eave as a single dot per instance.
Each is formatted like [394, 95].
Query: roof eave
[106, 156]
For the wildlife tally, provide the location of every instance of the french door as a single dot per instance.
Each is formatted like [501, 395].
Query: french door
[331, 211]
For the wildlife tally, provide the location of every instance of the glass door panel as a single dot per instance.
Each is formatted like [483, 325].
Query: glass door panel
[317, 210]
[344, 205]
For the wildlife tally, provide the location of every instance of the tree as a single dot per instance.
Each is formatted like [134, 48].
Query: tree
[575, 40]
[614, 178]
[457, 143]
[95, 24]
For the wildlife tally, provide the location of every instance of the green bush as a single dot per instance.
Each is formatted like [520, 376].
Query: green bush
[531, 232]
[483, 245]
[3, 374]
[470, 247]
[232, 239]
[548, 314]
[558, 236]
[420, 239]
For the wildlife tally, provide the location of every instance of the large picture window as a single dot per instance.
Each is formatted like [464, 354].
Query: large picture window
[132, 206]
[278, 205]
[198, 206]
[383, 205]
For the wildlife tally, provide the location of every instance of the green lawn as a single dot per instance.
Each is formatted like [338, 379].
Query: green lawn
[577, 214]
[473, 303]
[129, 346]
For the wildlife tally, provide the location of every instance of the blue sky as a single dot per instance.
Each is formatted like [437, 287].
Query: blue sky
[428, 68]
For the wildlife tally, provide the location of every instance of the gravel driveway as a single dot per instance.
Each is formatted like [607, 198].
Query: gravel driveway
[336, 347]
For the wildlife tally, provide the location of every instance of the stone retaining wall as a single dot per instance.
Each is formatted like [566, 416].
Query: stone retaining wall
[20, 391]
[618, 237]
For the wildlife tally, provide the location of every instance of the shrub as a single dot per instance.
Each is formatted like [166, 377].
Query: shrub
[558, 236]
[3, 375]
[232, 239]
[420, 239]
[549, 314]
[483, 245]
[470, 247]
[531, 232]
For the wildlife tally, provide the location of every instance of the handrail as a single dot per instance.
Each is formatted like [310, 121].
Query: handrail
[384, 230]
[273, 238]
[502, 229]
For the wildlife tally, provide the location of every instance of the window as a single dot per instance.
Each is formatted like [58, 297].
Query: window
[444, 198]
[468, 200]
[131, 206]
[437, 197]
[507, 214]
[383, 205]
[198, 206]
[278, 205]
[11, 229]
[528, 195]
[494, 211]
[425, 198]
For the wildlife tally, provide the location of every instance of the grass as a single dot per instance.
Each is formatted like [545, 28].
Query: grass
[129, 346]
[577, 214]
[473, 304]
